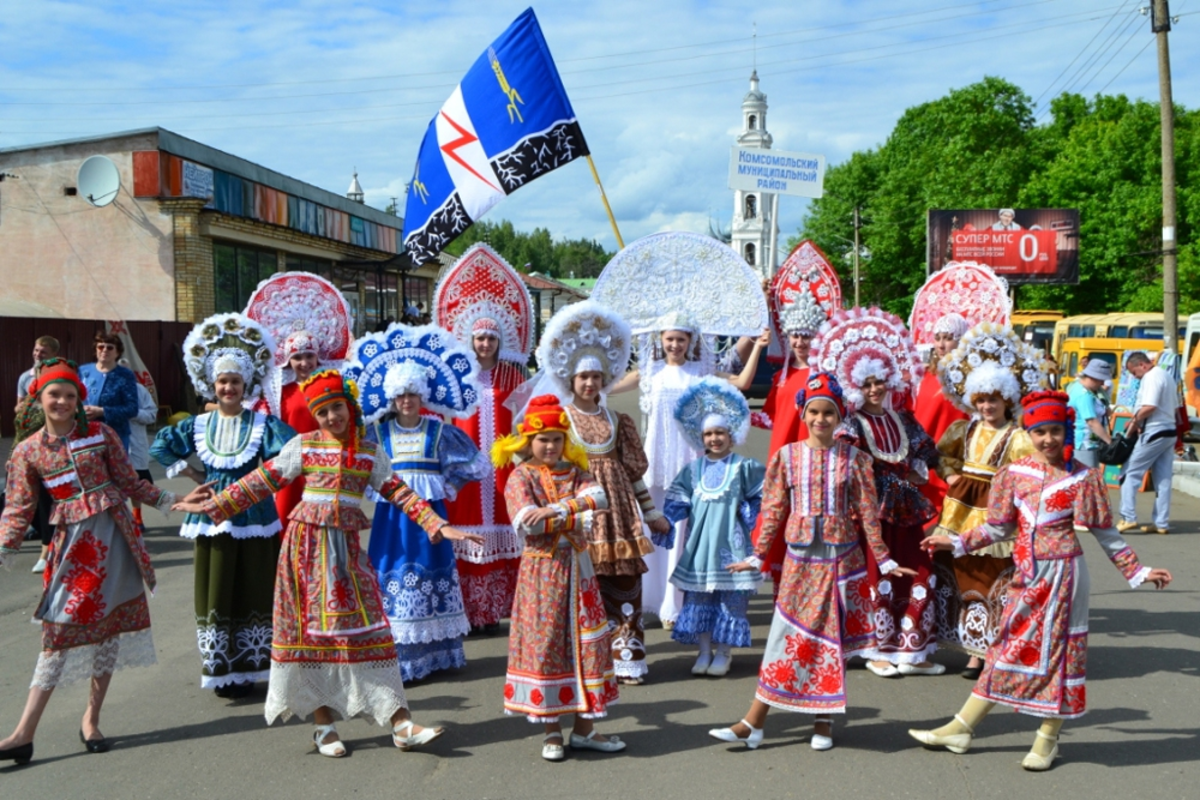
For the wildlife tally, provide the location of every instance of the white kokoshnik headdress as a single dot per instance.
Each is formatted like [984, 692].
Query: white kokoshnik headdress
[224, 344]
[584, 337]
[482, 293]
[427, 360]
[862, 343]
[712, 403]
[991, 359]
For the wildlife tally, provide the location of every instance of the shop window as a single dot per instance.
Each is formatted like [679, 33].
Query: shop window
[237, 271]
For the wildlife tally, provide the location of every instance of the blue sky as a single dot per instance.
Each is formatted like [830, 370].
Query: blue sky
[314, 89]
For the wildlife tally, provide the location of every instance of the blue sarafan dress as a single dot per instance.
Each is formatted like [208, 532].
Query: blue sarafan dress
[720, 499]
[421, 591]
[234, 559]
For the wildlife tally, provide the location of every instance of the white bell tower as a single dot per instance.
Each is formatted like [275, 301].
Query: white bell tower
[753, 212]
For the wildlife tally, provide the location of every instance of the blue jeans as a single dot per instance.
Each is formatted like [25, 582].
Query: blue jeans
[1158, 457]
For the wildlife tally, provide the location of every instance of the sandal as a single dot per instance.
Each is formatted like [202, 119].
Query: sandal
[553, 752]
[334, 749]
[408, 742]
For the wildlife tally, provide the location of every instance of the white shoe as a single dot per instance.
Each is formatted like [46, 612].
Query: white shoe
[39, 567]
[334, 749]
[408, 742]
[887, 671]
[819, 740]
[611, 744]
[913, 669]
[702, 662]
[720, 665]
[954, 742]
[1036, 763]
[728, 735]
[553, 752]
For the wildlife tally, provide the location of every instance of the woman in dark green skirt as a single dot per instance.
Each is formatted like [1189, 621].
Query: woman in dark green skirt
[227, 357]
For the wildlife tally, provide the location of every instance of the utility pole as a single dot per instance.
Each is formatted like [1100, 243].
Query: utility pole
[857, 225]
[1160, 25]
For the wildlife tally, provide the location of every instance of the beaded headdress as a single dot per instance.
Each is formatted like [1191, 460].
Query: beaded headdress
[972, 291]
[712, 403]
[584, 337]
[990, 359]
[482, 293]
[228, 343]
[862, 343]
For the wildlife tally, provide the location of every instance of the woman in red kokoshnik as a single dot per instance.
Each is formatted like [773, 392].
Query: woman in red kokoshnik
[484, 303]
[93, 608]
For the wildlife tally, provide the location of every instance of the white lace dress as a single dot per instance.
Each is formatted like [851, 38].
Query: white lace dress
[669, 452]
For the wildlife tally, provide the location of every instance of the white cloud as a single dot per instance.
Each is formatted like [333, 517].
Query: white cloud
[662, 154]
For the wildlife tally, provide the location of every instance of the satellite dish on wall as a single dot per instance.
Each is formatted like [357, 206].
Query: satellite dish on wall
[98, 180]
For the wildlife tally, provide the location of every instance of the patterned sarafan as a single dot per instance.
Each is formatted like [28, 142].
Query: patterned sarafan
[1037, 665]
[559, 649]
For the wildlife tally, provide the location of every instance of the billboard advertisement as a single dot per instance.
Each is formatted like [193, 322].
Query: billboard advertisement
[1023, 245]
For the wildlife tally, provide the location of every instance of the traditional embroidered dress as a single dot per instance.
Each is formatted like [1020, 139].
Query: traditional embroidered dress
[1037, 664]
[720, 500]
[617, 539]
[421, 593]
[93, 606]
[293, 412]
[332, 645]
[559, 649]
[235, 560]
[905, 623]
[669, 452]
[787, 426]
[488, 571]
[822, 502]
[971, 590]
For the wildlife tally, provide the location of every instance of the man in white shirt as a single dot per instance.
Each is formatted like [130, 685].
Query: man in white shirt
[44, 347]
[1155, 450]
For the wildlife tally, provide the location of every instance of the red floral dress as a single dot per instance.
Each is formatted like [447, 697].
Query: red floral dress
[93, 607]
[559, 649]
[1038, 664]
[332, 643]
[819, 502]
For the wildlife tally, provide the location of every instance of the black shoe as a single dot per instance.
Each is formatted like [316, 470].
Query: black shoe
[93, 745]
[224, 692]
[21, 754]
[971, 673]
[237, 691]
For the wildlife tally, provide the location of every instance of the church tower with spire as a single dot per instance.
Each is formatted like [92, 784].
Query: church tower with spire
[753, 212]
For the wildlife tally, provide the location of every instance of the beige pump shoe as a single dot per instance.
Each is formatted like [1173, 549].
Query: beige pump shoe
[954, 742]
[1037, 763]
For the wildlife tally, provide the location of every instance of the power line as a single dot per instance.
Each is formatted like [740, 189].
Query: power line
[1112, 39]
[1079, 54]
[1116, 53]
[400, 76]
[1021, 27]
[1149, 42]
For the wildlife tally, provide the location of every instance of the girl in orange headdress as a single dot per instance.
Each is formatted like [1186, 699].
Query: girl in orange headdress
[559, 650]
[332, 654]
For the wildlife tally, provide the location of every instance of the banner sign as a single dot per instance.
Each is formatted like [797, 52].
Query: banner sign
[752, 169]
[197, 181]
[1021, 245]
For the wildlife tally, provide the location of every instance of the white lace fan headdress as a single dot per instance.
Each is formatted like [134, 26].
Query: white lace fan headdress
[584, 337]
[228, 343]
[862, 343]
[991, 359]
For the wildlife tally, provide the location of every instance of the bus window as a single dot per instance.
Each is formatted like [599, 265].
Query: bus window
[1073, 364]
[1119, 332]
[1018, 329]
[1146, 332]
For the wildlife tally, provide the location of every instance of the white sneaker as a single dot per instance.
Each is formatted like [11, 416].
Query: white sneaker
[40, 566]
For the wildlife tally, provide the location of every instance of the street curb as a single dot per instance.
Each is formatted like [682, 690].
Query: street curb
[1185, 477]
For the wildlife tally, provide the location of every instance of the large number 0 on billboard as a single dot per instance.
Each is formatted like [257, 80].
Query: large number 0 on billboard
[1023, 245]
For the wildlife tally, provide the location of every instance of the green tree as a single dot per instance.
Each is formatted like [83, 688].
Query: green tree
[978, 147]
[536, 251]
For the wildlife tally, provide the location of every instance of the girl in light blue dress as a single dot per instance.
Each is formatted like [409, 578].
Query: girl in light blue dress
[719, 495]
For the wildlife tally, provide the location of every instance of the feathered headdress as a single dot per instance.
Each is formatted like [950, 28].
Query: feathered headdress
[543, 415]
[990, 359]
[425, 360]
[862, 343]
[228, 343]
[712, 403]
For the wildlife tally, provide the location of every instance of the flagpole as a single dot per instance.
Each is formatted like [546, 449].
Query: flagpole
[604, 199]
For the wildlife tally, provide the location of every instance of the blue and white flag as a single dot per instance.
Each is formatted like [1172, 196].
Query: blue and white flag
[508, 121]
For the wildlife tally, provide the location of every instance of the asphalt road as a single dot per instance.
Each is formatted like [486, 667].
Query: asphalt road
[171, 739]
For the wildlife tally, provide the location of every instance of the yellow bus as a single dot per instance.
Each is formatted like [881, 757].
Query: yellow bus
[1145, 326]
[1036, 326]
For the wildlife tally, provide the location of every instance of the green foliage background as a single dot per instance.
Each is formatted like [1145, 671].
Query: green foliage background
[536, 251]
[980, 147]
